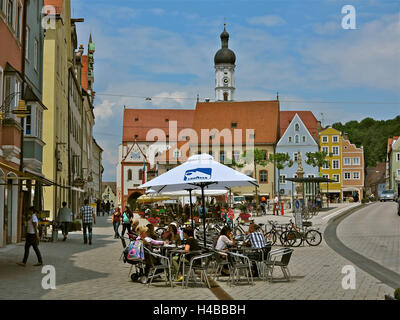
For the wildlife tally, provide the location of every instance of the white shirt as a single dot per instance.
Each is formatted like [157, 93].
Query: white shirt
[31, 229]
[222, 243]
[276, 200]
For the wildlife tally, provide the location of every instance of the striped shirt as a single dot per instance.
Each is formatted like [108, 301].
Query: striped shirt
[256, 239]
[87, 214]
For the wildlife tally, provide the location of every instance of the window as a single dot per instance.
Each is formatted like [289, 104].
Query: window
[290, 139]
[325, 149]
[35, 55]
[398, 173]
[347, 161]
[225, 96]
[28, 121]
[335, 151]
[39, 123]
[356, 175]
[296, 139]
[234, 125]
[2, 5]
[136, 119]
[129, 175]
[347, 176]
[177, 153]
[19, 19]
[325, 176]
[263, 176]
[10, 13]
[140, 174]
[326, 165]
[324, 139]
[282, 179]
[27, 43]
[335, 164]
[297, 127]
[304, 138]
[397, 154]
[236, 156]
[336, 177]
[335, 139]
[356, 161]
[221, 156]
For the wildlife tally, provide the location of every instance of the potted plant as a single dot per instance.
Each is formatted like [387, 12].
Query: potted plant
[244, 214]
[154, 221]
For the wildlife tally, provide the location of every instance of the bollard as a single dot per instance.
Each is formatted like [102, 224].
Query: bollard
[282, 211]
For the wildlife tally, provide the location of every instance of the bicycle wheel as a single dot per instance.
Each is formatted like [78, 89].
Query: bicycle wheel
[270, 236]
[291, 238]
[313, 237]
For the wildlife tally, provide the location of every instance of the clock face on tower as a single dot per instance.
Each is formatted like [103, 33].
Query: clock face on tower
[226, 80]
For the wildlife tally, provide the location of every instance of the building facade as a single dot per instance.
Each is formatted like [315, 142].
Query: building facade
[296, 140]
[331, 144]
[393, 164]
[352, 170]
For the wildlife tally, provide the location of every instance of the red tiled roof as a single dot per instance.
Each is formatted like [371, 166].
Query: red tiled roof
[307, 117]
[55, 3]
[375, 175]
[390, 142]
[262, 116]
[148, 119]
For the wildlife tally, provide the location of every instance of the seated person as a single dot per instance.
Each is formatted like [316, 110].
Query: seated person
[172, 235]
[134, 226]
[151, 233]
[191, 245]
[225, 239]
[256, 240]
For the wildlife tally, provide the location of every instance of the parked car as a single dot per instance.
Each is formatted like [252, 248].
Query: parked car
[388, 195]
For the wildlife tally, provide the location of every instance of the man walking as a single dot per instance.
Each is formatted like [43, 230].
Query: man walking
[88, 219]
[65, 218]
[276, 200]
[32, 238]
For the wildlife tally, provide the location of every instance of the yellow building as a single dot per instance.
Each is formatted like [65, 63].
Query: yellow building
[57, 48]
[331, 143]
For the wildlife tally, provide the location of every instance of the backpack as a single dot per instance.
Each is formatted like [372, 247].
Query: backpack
[135, 251]
[125, 218]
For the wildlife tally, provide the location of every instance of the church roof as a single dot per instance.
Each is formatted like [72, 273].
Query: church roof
[262, 116]
[138, 122]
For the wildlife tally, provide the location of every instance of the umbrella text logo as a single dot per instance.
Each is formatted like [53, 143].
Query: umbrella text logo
[198, 174]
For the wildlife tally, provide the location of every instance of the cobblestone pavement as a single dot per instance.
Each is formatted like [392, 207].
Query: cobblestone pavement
[94, 272]
[374, 232]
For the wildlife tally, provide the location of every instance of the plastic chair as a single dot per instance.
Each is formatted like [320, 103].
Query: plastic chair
[164, 264]
[239, 262]
[278, 258]
[199, 263]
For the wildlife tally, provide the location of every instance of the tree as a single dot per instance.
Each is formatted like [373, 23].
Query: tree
[280, 161]
[259, 159]
[317, 159]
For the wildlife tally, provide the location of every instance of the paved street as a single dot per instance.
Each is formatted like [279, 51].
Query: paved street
[94, 272]
[374, 232]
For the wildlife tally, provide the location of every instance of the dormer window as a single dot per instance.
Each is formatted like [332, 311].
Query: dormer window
[234, 125]
[136, 119]
[297, 127]
[166, 120]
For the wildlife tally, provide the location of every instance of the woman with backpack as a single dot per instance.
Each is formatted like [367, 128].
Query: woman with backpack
[127, 217]
[116, 220]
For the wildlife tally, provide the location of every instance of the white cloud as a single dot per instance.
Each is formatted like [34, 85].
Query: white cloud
[103, 110]
[267, 20]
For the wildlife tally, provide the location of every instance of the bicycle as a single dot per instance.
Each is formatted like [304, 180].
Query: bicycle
[294, 237]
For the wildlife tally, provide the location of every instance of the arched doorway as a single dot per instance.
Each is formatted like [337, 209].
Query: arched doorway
[133, 198]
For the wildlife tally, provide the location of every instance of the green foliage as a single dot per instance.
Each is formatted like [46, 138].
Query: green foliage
[260, 157]
[281, 160]
[397, 294]
[372, 135]
[317, 159]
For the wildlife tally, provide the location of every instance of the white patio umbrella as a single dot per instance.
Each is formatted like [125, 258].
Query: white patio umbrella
[199, 172]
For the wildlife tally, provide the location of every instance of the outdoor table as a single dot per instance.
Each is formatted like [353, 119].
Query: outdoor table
[182, 253]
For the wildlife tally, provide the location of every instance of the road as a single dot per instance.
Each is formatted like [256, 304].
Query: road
[370, 238]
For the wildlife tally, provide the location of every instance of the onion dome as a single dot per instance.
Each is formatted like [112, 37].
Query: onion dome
[224, 55]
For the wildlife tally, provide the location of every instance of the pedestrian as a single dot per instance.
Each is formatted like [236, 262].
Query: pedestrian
[98, 207]
[127, 218]
[32, 238]
[276, 200]
[88, 219]
[116, 220]
[64, 218]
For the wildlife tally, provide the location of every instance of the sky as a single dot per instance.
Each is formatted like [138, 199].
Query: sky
[165, 50]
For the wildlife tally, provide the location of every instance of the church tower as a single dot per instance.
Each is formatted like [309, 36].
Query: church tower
[224, 62]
